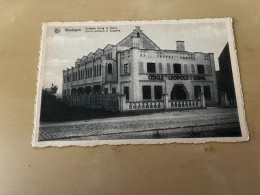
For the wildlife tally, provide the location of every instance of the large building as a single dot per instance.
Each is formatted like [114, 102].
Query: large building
[142, 71]
[226, 88]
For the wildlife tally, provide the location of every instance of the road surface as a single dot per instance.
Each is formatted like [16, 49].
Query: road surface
[173, 124]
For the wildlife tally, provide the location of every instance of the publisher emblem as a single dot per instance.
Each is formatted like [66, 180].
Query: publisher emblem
[56, 30]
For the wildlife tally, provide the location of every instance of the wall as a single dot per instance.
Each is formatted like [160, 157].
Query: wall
[213, 168]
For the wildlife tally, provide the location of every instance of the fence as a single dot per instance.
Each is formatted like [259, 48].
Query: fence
[93, 101]
[184, 103]
[227, 102]
[161, 104]
[144, 105]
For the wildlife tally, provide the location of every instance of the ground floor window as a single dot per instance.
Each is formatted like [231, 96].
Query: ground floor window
[207, 92]
[114, 90]
[158, 92]
[126, 92]
[74, 91]
[146, 92]
[197, 91]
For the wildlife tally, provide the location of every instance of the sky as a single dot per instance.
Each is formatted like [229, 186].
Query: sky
[62, 49]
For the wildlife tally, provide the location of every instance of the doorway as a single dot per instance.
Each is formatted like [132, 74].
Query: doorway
[179, 92]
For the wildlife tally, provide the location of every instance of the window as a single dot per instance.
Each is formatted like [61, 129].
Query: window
[135, 44]
[177, 68]
[160, 67]
[151, 67]
[109, 68]
[100, 70]
[113, 89]
[197, 91]
[126, 69]
[192, 69]
[126, 92]
[146, 92]
[185, 69]
[200, 69]
[207, 92]
[158, 92]
[106, 90]
[168, 68]
[141, 67]
[138, 35]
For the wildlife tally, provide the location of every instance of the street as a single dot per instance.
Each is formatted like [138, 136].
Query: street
[186, 123]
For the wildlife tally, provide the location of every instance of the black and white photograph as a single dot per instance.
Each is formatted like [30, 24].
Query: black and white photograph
[138, 82]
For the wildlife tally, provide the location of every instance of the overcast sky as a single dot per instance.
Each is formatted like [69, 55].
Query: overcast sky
[63, 49]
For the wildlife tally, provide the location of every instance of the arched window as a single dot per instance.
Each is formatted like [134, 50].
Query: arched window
[109, 68]
[138, 35]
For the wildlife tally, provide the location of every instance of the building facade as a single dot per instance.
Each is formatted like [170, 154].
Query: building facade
[142, 71]
[226, 88]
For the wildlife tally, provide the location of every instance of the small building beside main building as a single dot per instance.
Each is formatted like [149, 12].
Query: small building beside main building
[143, 72]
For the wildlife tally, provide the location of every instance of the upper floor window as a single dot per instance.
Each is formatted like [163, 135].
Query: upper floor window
[126, 69]
[201, 69]
[151, 67]
[177, 68]
[94, 74]
[109, 68]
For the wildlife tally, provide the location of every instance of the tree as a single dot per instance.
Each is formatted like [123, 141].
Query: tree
[50, 106]
[50, 91]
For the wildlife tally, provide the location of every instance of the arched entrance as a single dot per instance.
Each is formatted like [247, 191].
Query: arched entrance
[88, 90]
[80, 91]
[97, 89]
[179, 92]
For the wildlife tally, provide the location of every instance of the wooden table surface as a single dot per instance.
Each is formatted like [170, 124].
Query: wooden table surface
[213, 168]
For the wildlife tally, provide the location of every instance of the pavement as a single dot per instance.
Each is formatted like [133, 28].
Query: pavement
[133, 126]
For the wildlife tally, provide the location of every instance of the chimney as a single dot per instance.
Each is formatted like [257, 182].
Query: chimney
[137, 28]
[180, 46]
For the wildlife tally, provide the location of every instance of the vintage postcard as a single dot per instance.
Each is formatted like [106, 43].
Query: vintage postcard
[138, 82]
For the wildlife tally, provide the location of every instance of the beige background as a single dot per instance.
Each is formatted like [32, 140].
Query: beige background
[215, 168]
